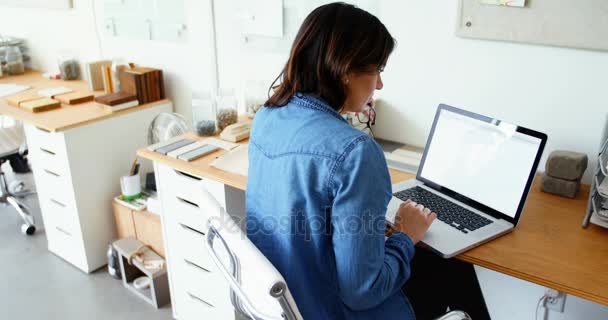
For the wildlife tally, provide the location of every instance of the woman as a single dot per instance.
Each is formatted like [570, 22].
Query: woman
[318, 189]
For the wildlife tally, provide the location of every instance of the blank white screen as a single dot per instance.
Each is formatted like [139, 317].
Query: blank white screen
[485, 162]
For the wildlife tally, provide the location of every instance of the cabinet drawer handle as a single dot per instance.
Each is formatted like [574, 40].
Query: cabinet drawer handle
[63, 231]
[58, 203]
[51, 173]
[185, 227]
[187, 175]
[186, 202]
[196, 265]
[47, 151]
[195, 298]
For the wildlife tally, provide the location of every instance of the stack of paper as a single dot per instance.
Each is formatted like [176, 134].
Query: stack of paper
[401, 156]
[235, 161]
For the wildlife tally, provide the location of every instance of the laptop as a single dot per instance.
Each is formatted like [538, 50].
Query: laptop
[475, 173]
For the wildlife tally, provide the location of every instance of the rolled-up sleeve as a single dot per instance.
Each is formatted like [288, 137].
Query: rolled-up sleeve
[369, 268]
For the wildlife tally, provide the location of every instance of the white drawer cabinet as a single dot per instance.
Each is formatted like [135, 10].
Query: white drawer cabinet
[77, 174]
[198, 290]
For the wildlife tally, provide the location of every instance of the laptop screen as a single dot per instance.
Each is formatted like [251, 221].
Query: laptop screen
[483, 159]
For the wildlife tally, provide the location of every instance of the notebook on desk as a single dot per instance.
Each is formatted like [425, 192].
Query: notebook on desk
[475, 173]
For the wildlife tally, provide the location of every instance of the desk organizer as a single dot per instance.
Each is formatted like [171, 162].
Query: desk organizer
[597, 207]
[157, 294]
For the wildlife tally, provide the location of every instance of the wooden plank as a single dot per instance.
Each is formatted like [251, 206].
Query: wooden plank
[66, 117]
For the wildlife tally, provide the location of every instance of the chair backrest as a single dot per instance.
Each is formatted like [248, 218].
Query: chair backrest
[258, 290]
[11, 139]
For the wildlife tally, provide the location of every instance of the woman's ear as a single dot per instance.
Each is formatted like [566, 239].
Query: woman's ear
[346, 79]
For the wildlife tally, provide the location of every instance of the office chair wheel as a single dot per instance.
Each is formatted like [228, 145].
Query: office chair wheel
[28, 229]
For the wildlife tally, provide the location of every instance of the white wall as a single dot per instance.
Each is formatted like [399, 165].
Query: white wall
[555, 90]
[559, 91]
[186, 66]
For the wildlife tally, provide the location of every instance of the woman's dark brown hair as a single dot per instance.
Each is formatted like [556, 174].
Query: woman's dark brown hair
[334, 39]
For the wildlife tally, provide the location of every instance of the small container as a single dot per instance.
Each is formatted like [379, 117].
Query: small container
[113, 263]
[256, 94]
[130, 186]
[227, 113]
[14, 61]
[68, 67]
[203, 114]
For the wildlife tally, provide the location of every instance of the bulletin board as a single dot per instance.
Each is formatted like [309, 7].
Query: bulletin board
[579, 24]
[156, 20]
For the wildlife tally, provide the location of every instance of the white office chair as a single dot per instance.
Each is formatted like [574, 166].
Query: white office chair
[263, 293]
[12, 144]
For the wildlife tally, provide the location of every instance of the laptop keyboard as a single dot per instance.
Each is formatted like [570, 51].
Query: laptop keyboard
[447, 211]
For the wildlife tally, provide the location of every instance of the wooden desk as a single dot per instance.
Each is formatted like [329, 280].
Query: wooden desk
[78, 154]
[66, 117]
[548, 247]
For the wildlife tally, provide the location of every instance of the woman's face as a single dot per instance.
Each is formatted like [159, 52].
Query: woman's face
[360, 87]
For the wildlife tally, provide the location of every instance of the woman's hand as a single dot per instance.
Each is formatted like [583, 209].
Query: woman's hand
[414, 220]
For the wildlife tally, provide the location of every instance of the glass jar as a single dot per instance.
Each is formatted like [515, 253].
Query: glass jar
[256, 94]
[68, 67]
[14, 61]
[203, 114]
[227, 113]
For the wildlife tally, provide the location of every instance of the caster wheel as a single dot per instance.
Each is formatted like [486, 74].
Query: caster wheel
[28, 229]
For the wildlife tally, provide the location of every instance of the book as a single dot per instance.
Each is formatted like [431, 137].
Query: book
[146, 83]
[161, 144]
[161, 84]
[94, 74]
[16, 101]
[75, 97]
[177, 152]
[401, 156]
[174, 146]
[113, 99]
[197, 153]
[122, 106]
[40, 105]
[52, 92]
[106, 72]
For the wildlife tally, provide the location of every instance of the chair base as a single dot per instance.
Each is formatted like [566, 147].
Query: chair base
[8, 198]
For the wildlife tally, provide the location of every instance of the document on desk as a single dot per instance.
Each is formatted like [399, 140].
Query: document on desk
[11, 88]
[221, 143]
[235, 161]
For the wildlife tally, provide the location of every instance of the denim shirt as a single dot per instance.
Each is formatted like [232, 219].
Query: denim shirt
[317, 193]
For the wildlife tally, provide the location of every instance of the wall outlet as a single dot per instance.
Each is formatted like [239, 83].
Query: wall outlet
[555, 300]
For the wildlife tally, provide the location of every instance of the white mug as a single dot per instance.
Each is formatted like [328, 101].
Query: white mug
[130, 186]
